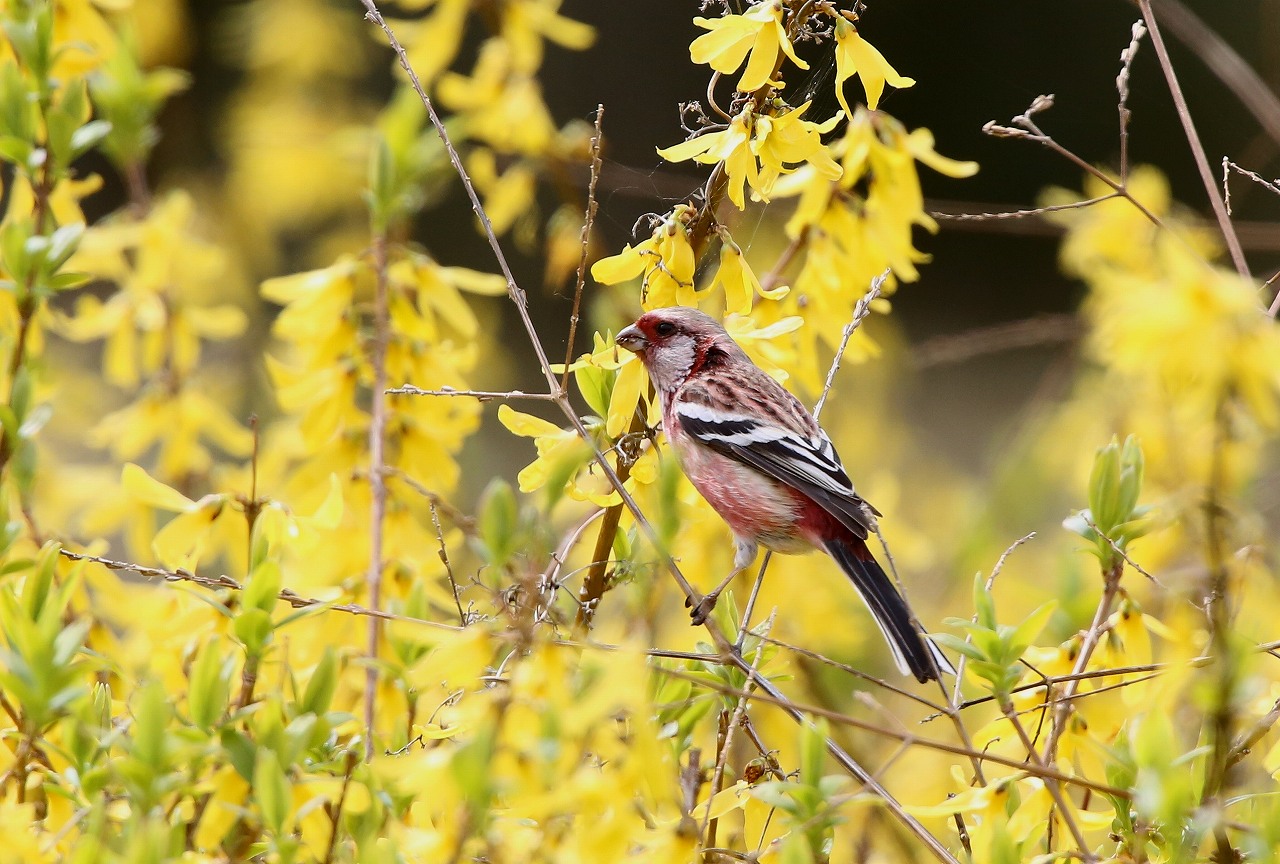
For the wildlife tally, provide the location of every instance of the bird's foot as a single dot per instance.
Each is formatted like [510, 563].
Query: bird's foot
[701, 611]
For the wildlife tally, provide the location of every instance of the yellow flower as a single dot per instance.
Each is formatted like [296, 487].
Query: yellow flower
[757, 149]
[784, 141]
[499, 104]
[758, 32]
[560, 451]
[856, 56]
[738, 280]
[526, 23]
[665, 261]
[1116, 234]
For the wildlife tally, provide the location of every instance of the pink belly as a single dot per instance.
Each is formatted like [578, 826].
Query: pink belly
[755, 506]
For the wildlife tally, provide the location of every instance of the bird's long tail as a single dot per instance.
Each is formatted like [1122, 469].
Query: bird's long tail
[914, 652]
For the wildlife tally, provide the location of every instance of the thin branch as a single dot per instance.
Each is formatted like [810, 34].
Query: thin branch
[773, 278]
[1122, 89]
[514, 291]
[588, 220]
[1193, 139]
[770, 696]
[1115, 547]
[1111, 586]
[1053, 786]
[481, 395]
[448, 568]
[1228, 166]
[1021, 214]
[377, 477]
[722, 755]
[226, 582]
[857, 673]
[861, 310]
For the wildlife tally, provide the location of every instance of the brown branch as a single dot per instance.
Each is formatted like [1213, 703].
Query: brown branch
[588, 220]
[480, 395]
[1193, 139]
[226, 582]
[771, 697]
[1111, 587]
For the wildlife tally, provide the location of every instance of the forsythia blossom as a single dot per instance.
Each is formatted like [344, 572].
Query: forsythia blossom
[759, 147]
[758, 33]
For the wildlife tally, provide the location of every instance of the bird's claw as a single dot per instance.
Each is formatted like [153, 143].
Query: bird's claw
[701, 611]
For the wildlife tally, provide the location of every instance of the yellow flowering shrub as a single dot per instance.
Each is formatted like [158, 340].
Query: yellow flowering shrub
[249, 612]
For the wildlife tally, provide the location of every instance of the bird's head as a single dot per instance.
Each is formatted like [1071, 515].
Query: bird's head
[675, 343]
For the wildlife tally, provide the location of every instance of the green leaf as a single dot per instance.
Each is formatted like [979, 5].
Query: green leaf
[253, 628]
[813, 750]
[1030, 628]
[151, 715]
[262, 590]
[983, 603]
[62, 244]
[271, 790]
[499, 516]
[596, 386]
[1103, 492]
[323, 684]
[210, 686]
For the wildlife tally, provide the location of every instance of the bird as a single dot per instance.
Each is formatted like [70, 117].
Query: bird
[767, 468]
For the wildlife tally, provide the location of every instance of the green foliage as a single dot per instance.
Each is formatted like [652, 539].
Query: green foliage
[995, 650]
[1114, 515]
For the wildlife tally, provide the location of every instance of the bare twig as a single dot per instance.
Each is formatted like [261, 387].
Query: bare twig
[1115, 547]
[1024, 127]
[999, 215]
[377, 477]
[770, 696]
[1052, 785]
[448, 568]
[1193, 139]
[857, 673]
[588, 219]
[774, 277]
[1122, 89]
[1111, 587]
[220, 582]
[481, 395]
[861, 310]
[1228, 166]
[722, 755]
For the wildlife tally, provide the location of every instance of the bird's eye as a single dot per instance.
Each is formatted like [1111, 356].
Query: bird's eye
[664, 328]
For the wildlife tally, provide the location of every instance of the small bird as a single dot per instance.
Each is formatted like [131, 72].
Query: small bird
[763, 463]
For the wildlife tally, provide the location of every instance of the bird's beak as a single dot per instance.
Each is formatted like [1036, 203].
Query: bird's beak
[632, 339]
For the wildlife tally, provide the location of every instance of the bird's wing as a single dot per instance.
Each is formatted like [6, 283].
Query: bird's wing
[803, 458]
